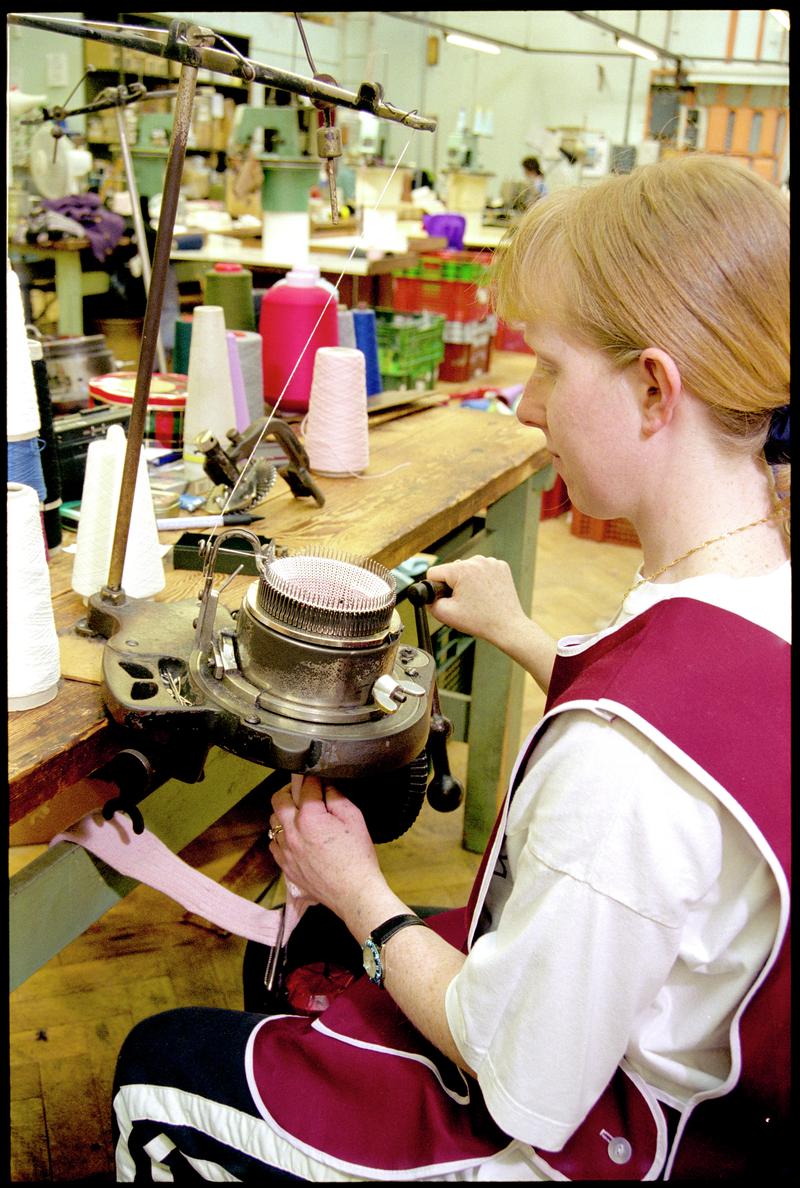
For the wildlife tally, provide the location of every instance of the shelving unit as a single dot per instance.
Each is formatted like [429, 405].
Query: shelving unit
[148, 122]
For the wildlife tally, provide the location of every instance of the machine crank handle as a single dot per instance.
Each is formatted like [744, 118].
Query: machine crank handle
[444, 793]
[424, 592]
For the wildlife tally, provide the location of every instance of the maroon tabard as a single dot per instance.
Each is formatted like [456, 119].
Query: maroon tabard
[360, 1089]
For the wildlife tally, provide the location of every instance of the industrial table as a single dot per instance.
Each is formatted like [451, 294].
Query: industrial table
[73, 282]
[448, 481]
[362, 279]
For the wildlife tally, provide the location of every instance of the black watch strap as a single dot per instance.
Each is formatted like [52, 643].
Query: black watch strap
[383, 932]
[373, 946]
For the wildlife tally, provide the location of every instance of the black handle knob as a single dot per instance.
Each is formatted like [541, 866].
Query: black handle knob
[445, 793]
[424, 592]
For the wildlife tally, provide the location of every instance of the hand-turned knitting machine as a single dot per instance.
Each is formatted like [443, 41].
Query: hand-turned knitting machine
[309, 674]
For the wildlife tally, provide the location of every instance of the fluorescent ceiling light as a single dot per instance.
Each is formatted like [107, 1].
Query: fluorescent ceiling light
[485, 47]
[781, 16]
[636, 47]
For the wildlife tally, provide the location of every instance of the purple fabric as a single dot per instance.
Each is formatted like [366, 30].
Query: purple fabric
[451, 226]
[101, 226]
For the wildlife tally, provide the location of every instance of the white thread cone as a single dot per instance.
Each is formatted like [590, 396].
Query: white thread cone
[347, 330]
[143, 571]
[251, 350]
[209, 391]
[22, 408]
[34, 662]
[337, 428]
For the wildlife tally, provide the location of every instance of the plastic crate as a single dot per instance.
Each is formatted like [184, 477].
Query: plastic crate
[452, 265]
[556, 502]
[463, 360]
[508, 339]
[477, 333]
[454, 654]
[422, 378]
[611, 531]
[455, 300]
[408, 344]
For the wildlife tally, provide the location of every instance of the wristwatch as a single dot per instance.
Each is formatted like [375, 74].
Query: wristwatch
[372, 949]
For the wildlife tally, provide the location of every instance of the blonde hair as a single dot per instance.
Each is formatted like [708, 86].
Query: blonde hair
[691, 255]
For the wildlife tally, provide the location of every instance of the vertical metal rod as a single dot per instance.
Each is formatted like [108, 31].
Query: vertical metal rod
[152, 318]
[138, 221]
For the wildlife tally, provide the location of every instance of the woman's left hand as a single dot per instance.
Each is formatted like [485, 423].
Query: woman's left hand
[324, 846]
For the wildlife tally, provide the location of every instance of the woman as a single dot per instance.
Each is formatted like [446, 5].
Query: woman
[613, 1002]
[536, 187]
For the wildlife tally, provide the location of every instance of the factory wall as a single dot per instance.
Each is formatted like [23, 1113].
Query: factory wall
[583, 82]
[594, 87]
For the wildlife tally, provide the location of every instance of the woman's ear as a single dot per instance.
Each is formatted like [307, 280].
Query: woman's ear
[661, 386]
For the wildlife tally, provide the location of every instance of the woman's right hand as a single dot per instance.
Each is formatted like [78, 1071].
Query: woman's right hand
[484, 602]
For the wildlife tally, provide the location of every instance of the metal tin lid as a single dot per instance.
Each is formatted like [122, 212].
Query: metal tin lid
[167, 390]
[82, 344]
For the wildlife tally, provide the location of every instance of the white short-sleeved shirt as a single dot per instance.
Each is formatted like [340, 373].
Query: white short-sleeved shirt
[632, 915]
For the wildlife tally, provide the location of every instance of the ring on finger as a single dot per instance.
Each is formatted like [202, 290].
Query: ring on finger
[273, 833]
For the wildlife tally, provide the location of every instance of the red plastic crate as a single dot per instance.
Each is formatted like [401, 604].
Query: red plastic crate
[612, 531]
[463, 360]
[458, 301]
[506, 339]
[555, 502]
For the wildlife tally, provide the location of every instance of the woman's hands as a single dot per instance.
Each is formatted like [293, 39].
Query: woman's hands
[323, 846]
[485, 603]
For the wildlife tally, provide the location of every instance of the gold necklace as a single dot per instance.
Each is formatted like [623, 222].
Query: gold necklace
[778, 513]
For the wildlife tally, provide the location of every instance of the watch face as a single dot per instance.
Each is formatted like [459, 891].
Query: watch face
[372, 961]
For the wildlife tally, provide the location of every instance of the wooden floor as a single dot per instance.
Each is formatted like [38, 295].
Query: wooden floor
[68, 1020]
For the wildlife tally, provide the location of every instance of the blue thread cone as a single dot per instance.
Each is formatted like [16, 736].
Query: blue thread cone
[366, 333]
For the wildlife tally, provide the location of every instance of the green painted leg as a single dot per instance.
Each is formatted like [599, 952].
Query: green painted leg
[69, 287]
[512, 526]
[62, 892]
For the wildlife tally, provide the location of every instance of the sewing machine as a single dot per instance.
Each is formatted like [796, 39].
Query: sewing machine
[288, 156]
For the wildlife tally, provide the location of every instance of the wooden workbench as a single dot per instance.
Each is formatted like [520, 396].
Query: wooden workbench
[433, 477]
[358, 278]
[72, 281]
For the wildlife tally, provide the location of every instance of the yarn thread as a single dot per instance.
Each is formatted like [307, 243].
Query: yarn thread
[51, 467]
[22, 410]
[366, 331]
[249, 345]
[34, 662]
[237, 383]
[288, 311]
[231, 287]
[183, 342]
[209, 391]
[24, 465]
[337, 434]
[143, 572]
[347, 330]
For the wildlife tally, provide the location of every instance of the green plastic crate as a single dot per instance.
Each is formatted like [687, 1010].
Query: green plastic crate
[420, 378]
[409, 344]
[458, 266]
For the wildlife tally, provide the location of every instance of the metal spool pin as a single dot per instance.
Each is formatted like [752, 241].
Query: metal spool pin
[333, 596]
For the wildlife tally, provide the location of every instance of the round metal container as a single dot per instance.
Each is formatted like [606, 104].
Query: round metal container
[71, 363]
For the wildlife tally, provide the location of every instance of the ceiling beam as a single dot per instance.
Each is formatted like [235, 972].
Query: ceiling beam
[529, 49]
